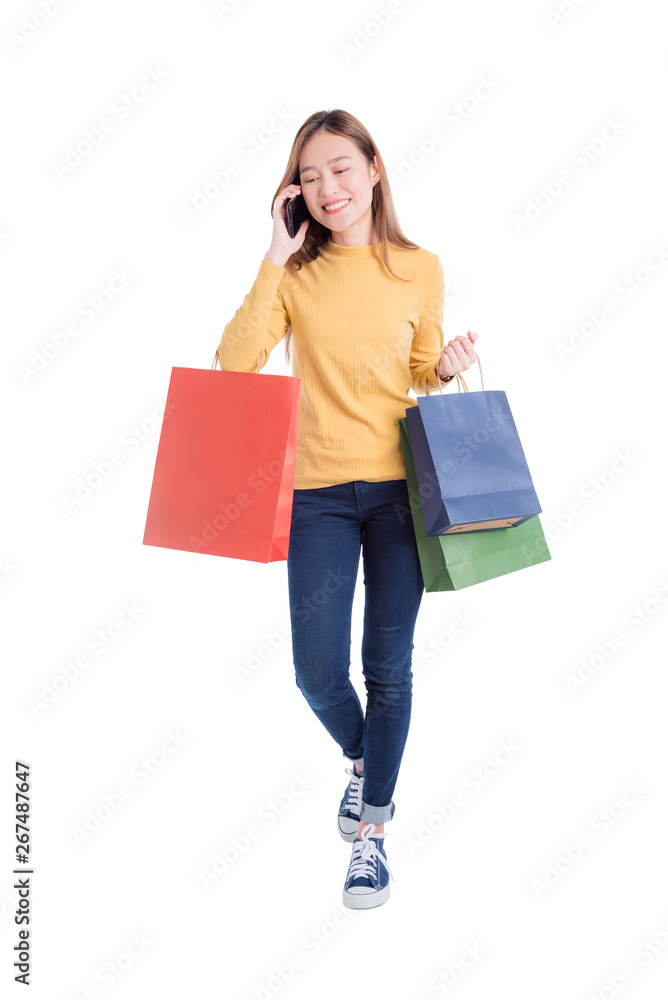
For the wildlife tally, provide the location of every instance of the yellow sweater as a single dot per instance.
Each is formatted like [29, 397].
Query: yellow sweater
[360, 340]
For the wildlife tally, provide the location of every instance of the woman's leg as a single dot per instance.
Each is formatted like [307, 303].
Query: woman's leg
[323, 560]
[393, 592]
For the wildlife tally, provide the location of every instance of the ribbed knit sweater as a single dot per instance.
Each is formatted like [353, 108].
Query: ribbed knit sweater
[360, 340]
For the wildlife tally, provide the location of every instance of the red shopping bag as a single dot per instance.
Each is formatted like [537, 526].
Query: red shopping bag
[225, 467]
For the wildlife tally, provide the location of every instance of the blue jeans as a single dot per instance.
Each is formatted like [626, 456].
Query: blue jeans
[329, 526]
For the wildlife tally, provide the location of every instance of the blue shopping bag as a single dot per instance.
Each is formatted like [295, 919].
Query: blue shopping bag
[471, 469]
[454, 561]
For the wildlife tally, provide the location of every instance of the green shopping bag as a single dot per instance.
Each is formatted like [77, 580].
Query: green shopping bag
[452, 562]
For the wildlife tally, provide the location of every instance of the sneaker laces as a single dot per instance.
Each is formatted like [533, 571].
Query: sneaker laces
[354, 800]
[365, 856]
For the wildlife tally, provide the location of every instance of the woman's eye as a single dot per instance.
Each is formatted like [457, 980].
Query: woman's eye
[342, 171]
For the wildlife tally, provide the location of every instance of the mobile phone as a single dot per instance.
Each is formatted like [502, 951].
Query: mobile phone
[295, 213]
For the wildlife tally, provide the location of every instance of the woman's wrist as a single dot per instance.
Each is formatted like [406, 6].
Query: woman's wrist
[443, 378]
[275, 257]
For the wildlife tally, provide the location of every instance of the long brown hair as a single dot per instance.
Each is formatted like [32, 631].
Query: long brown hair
[339, 122]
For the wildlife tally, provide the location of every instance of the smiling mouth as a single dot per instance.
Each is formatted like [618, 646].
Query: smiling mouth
[336, 206]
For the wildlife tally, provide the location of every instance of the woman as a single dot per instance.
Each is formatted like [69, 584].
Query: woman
[365, 307]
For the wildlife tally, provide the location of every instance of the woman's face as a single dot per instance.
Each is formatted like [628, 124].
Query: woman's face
[332, 170]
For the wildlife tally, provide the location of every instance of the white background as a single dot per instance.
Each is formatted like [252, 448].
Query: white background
[472, 885]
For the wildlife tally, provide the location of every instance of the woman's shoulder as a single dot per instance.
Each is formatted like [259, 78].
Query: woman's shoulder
[420, 262]
[424, 258]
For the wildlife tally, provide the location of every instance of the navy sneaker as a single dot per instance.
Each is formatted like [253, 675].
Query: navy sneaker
[351, 805]
[368, 880]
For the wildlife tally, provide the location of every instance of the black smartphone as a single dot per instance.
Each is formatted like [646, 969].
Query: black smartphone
[295, 213]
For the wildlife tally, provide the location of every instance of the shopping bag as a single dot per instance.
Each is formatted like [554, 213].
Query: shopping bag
[471, 469]
[452, 562]
[224, 471]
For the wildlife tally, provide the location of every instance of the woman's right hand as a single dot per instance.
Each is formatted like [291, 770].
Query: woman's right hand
[282, 246]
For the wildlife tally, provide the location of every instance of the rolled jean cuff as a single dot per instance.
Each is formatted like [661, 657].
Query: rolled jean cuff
[355, 760]
[376, 814]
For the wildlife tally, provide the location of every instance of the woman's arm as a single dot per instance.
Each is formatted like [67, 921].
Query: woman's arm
[259, 323]
[262, 318]
[457, 356]
[427, 340]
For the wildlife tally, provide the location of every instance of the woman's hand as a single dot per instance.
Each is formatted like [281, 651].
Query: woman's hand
[457, 355]
[282, 244]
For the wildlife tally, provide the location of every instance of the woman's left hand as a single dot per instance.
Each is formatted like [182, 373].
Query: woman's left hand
[457, 355]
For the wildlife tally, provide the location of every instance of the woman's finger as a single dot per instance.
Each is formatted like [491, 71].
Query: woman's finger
[450, 364]
[458, 353]
[469, 349]
[445, 365]
[458, 358]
